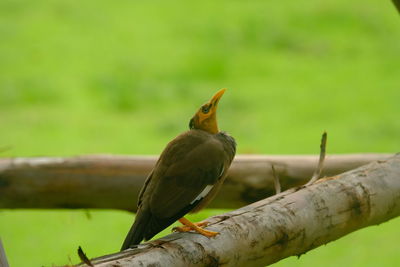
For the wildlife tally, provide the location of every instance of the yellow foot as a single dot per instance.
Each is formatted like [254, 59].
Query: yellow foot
[189, 226]
[185, 228]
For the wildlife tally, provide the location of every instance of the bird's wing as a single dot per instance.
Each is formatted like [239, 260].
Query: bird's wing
[144, 188]
[184, 175]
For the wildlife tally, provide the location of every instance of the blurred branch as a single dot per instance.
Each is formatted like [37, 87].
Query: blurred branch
[113, 182]
[397, 4]
[3, 258]
[288, 224]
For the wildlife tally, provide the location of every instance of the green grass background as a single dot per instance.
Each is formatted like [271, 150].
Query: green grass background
[125, 77]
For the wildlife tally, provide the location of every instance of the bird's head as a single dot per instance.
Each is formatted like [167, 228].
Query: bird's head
[205, 118]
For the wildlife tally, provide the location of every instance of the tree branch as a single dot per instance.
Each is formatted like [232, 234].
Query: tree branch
[290, 223]
[3, 258]
[113, 182]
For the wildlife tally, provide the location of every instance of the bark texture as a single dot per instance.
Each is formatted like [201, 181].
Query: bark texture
[113, 182]
[290, 223]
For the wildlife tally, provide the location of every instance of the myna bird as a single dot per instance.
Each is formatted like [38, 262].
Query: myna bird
[186, 177]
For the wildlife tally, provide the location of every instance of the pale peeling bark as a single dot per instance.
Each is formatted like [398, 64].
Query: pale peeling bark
[114, 182]
[290, 223]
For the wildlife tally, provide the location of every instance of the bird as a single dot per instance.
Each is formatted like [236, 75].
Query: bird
[185, 178]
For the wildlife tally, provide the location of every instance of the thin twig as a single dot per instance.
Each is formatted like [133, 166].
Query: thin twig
[322, 153]
[276, 180]
[83, 257]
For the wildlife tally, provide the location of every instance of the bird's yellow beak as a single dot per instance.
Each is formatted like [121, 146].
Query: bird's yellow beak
[215, 99]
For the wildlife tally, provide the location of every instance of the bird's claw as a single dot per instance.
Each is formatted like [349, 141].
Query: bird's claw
[197, 228]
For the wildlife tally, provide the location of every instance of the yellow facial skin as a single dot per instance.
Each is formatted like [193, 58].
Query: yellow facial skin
[205, 118]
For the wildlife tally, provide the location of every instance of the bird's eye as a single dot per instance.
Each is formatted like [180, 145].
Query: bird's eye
[205, 109]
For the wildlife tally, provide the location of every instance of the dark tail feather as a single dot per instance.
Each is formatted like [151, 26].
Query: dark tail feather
[146, 226]
[137, 232]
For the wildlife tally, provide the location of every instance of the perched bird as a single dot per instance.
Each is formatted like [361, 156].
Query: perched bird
[188, 174]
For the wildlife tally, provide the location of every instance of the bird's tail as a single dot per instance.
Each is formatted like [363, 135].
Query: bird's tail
[137, 232]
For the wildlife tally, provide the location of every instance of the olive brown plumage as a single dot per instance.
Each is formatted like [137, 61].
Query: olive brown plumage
[186, 177]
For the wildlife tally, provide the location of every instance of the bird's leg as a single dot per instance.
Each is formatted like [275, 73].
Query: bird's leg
[188, 226]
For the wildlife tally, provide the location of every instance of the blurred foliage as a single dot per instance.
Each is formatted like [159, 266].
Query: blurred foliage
[125, 77]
